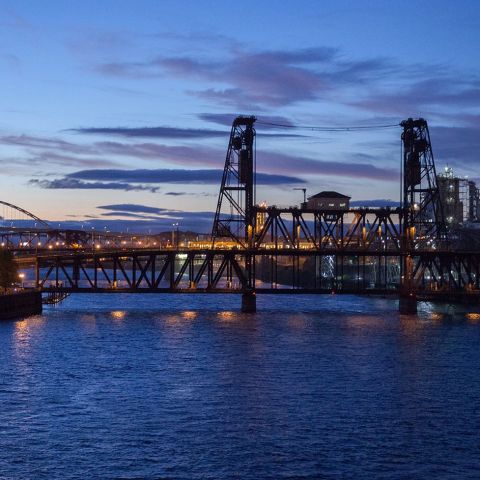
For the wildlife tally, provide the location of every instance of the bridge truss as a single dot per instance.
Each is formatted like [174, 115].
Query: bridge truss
[354, 270]
[405, 251]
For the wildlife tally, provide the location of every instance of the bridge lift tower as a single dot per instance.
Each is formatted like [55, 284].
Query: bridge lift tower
[421, 197]
[235, 216]
[423, 223]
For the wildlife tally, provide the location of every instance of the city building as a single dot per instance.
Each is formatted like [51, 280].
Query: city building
[328, 200]
[459, 197]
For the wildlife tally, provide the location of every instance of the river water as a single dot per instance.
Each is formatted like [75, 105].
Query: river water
[186, 387]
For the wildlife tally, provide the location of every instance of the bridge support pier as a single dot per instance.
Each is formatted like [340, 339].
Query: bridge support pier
[407, 304]
[249, 302]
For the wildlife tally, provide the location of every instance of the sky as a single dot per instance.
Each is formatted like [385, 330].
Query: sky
[116, 114]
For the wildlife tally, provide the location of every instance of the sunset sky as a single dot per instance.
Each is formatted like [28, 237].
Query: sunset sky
[119, 111]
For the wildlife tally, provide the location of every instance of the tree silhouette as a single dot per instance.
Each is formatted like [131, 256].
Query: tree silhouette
[8, 269]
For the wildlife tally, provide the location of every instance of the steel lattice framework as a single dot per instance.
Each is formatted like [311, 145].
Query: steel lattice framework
[421, 197]
[355, 270]
[234, 216]
[401, 251]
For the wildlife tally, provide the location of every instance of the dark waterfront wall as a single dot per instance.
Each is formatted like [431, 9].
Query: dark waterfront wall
[20, 304]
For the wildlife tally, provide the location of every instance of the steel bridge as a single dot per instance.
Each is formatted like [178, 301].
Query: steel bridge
[405, 252]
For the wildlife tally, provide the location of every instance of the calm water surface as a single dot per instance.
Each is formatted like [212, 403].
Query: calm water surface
[185, 387]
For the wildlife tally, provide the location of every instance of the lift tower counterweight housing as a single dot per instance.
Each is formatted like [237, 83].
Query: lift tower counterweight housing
[235, 216]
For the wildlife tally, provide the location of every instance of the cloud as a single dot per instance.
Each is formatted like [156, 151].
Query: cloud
[49, 157]
[196, 221]
[179, 194]
[287, 167]
[456, 145]
[141, 180]
[286, 163]
[281, 163]
[271, 78]
[45, 147]
[209, 176]
[55, 151]
[432, 92]
[184, 133]
[44, 143]
[153, 132]
[176, 194]
[134, 215]
[71, 183]
[134, 208]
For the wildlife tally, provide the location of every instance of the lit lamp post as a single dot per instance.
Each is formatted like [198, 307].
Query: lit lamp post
[21, 276]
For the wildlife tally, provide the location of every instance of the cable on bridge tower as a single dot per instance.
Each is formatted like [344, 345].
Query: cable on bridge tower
[319, 128]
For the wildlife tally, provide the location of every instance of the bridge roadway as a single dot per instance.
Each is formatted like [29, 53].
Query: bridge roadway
[436, 275]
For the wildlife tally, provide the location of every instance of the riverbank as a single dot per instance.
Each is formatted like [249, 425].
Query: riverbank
[20, 304]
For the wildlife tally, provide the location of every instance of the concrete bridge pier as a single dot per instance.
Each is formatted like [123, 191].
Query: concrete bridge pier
[249, 302]
[407, 304]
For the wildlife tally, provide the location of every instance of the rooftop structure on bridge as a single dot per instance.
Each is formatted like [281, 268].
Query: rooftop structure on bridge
[328, 200]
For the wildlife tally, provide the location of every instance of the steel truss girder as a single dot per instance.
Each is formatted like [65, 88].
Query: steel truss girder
[367, 229]
[446, 271]
[351, 270]
[138, 271]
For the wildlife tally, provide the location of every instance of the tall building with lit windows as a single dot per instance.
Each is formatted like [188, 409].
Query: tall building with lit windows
[460, 198]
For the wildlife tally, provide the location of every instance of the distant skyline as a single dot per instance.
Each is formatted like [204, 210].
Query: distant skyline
[114, 112]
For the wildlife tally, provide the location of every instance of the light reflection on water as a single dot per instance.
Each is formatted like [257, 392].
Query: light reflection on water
[118, 314]
[473, 317]
[24, 331]
[228, 316]
[328, 387]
